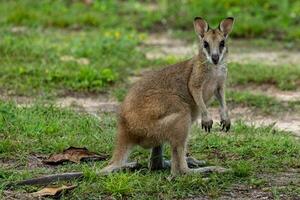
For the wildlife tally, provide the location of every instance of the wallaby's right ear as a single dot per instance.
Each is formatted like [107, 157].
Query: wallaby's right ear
[226, 25]
[201, 26]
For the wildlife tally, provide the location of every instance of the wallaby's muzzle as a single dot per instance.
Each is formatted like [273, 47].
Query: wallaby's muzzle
[215, 58]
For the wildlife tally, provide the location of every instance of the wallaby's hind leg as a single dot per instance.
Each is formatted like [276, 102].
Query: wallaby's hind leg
[120, 155]
[156, 158]
[119, 159]
[179, 164]
[178, 161]
[178, 140]
[178, 146]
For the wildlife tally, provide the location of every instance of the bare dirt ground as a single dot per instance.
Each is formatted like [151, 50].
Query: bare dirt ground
[271, 91]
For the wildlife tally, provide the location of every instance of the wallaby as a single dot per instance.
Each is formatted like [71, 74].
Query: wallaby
[162, 105]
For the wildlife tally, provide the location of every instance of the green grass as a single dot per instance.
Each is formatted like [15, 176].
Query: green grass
[53, 60]
[39, 129]
[49, 129]
[284, 77]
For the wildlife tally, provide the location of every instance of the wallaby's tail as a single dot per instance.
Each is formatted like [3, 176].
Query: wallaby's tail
[121, 151]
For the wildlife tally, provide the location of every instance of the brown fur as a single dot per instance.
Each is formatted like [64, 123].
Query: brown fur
[162, 106]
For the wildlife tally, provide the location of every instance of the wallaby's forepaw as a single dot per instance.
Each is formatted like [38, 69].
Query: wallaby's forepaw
[225, 125]
[207, 124]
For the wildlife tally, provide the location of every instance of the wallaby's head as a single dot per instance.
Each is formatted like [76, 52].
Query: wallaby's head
[213, 41]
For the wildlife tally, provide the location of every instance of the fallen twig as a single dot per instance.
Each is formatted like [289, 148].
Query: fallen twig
[44, 180]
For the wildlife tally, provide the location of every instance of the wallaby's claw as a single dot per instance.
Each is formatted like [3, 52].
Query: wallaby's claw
[207, 125]
[225, 125]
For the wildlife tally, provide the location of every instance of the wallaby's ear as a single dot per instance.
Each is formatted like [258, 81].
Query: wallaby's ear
[201, 26]
[226, 25]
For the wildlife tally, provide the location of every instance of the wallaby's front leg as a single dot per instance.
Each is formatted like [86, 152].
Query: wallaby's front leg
[225, 120]
[196, 83]
[206, 121]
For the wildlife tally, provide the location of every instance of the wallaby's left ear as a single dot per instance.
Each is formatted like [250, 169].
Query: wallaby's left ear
[201, 26]
[226, 25]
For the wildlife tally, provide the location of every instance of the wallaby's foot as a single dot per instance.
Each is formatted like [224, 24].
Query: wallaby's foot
[166, 164]
[225, 125]
[194, 163]
[201, 170]
[209, 169]
[116, 168]
[191, 162]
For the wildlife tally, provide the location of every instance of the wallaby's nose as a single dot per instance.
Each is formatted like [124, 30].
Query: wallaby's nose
[215, 58]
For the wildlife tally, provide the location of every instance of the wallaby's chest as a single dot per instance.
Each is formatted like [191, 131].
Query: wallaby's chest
[215, 77]
[219, 73]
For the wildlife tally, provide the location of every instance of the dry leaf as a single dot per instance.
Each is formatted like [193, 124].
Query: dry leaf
[74, 154]
[52, 191]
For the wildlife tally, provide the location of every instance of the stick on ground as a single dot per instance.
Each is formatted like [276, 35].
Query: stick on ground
[44, 180]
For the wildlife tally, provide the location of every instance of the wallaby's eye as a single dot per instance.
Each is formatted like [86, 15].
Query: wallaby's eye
[222, 44]
[206, 45]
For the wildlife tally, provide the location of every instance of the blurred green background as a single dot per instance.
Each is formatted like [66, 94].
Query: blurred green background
[269, 19]
[50, 46]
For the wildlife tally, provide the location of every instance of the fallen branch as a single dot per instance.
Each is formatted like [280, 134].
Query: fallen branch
[44, 180]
